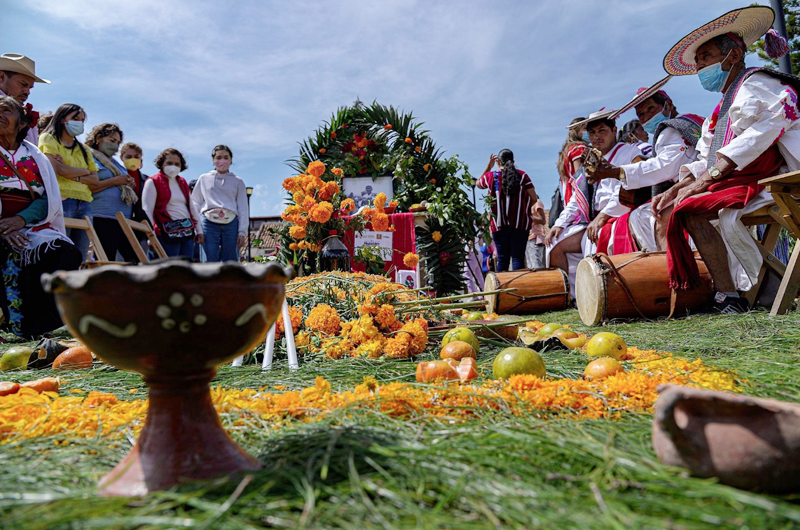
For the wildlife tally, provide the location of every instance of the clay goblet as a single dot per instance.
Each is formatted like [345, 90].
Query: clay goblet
[174, 323]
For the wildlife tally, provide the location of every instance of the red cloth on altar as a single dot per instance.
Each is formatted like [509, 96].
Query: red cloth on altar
[735, 191]
[403, 241]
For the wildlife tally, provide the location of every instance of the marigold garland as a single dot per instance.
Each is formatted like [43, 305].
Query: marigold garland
[410, 260]
[28, 414]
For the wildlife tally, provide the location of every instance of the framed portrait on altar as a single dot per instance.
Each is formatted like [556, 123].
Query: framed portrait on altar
[363, 190]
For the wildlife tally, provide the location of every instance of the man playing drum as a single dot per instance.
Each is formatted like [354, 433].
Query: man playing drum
[754, 133]
[674, 137]
[585, 225]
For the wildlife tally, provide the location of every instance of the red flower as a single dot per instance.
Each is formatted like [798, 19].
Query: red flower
[388, 126]
[445, 257]
[333, 134]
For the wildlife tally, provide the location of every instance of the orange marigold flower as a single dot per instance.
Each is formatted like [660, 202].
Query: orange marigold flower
[348, 205]
[292, 246]
[410, 260]
[302, 245]
[409, 140]
[380, 222]
[308, 203]
[337, 171]
[321, 213]
[419, 337]
[297, 232]
[380, 200]
[324, 318]
[290, 184]
[298, 198]
[418, 149]
[436, 236]
[385, 316]
[392, 204]
[316, 247]
[387, 126]
[295, 315]
[316, 168]
[327, 191]
[398, 347]
[322, 151]
[427, 167]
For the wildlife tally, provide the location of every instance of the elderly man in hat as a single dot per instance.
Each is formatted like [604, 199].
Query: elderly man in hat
[17, 77]
[754, 133]
[674, 137]
[586, 223]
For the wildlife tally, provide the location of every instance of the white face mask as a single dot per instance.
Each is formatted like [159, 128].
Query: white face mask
[171, 171]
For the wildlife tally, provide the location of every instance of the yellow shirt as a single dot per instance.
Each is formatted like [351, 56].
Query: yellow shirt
[70, 189]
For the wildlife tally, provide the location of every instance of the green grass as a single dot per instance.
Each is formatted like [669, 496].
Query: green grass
[358, 469]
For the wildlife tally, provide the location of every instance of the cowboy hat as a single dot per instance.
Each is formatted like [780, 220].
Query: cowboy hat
[14, 62]
[641, 95]
[594, 116]
[749, 23]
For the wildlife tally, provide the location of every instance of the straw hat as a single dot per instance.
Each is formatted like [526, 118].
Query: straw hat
[594, 116]
[14, 62]
[643, 94]
[749, 23]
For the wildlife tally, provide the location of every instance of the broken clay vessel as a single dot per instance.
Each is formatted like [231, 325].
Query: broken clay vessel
[745, 442]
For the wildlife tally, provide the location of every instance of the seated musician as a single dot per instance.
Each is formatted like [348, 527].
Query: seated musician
[596, 204]
[674, 136]
[754, 133]
[32, 236]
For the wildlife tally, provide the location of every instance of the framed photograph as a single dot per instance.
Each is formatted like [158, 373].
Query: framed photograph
[407, 278]
[363, 189]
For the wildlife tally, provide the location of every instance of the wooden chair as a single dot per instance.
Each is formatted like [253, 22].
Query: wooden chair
[128, 226]
[86, 224]
[785, 213]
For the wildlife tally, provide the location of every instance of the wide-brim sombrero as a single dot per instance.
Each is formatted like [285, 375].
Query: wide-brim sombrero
[749, 23]
[594, 116]
[641, 96]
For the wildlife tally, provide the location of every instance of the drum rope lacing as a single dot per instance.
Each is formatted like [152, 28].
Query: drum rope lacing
[604, 261]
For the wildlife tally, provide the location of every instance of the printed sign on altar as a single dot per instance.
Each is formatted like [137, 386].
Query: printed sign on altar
[407, 278]
[382, 242]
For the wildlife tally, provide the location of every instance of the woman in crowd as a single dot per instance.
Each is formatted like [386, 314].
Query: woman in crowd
[167, 202]
[569, 160]
[513, 197]
[131, 155]
[32, 236]
[220, 197]
[113, 192]
[633, 133]
[74, 166]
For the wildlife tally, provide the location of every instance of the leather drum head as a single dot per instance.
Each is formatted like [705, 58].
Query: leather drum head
[590, 292]
[491, 284]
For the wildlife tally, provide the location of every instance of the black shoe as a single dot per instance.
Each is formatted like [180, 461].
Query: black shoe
[726, 305]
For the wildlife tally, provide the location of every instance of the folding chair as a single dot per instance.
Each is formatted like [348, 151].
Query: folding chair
[785, 189]
[128, 226]
[94, 239]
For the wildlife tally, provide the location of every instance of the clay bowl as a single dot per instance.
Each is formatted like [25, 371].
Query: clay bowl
[174, 323]
[745, 442]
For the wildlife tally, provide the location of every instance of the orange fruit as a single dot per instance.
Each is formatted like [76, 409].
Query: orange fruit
[462, 334]
[606, 344]
[467, 369]
[602, 368]
[7, 388]
[46, 384]
[457, 350]
[75, 358]
[432, 370]
[513, 361]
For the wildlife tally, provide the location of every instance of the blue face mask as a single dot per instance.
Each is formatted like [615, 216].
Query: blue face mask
[74, 128]
[585, 137]
[652, 124]
[713, 77]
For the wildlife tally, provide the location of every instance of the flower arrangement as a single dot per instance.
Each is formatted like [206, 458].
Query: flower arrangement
[28, 414]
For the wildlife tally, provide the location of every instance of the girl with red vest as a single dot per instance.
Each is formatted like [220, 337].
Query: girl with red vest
[166, 200]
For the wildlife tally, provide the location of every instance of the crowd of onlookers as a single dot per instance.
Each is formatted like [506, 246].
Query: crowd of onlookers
[47, 174]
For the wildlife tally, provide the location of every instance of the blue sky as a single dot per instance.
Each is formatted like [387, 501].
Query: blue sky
[260, 76]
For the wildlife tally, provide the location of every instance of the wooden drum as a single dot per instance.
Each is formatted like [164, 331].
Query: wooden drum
[535, 291]
[634, 285]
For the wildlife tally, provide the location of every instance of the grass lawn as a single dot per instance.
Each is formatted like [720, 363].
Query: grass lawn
[360, 469]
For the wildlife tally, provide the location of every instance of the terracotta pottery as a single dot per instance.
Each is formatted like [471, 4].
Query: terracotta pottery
[174, 323]
[746, 442]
